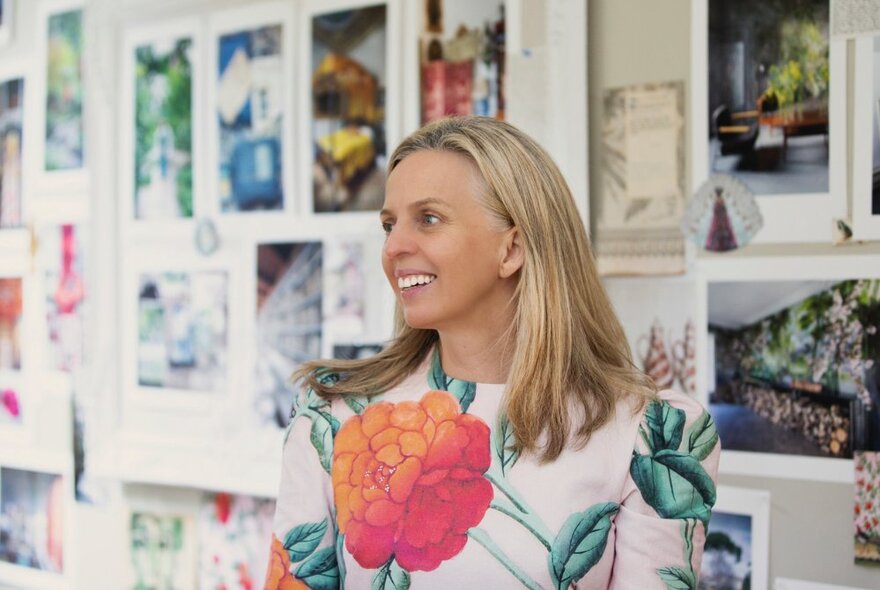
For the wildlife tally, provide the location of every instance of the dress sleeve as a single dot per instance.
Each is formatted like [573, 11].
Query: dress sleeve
[303, 551]
[668, 496]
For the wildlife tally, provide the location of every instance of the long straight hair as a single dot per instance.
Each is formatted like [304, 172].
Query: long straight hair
[571, 363]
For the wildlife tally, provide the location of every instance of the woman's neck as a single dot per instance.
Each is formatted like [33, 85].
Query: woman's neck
[476, 357]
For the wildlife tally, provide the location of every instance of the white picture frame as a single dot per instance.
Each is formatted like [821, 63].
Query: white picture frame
[393, 118]
[776, 268]
[756, 505]
[61, 186]
[164, 32]
[241, 20]
[866, 112]
[815, 212]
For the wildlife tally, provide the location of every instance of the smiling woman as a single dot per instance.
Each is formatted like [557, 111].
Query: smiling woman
[504, 435]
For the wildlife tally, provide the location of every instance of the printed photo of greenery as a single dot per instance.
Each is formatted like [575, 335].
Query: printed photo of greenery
[163, 130]
[64, 92]
[801, 378]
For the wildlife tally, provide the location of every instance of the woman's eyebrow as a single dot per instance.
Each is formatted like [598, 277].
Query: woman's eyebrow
[430, 201]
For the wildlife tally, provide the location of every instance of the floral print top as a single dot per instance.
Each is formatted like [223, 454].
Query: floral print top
[419, 488]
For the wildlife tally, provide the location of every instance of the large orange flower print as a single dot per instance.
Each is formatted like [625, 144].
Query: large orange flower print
[279, 577]
[408, 481]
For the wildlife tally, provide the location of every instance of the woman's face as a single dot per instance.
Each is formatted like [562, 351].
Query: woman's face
[443, 251]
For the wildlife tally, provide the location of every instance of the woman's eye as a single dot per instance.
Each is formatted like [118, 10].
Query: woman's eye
[386, 227]
[430, 219]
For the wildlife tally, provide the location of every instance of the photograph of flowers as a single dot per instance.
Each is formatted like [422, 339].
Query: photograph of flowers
[32, 519]
[235, 536]
[11, 309]
[348, 84]
[64, 92]
[61, 257]
[867, 507]
[163, 165]
[11, 121]
[250, 109]
[658, 316]
[288, 323]
[183, 330]
[792, 365]
[162, 551]
[461, 59]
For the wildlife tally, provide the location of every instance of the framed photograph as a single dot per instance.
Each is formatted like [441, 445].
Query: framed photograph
[737, 549]
[159, 126]
[791, 373]
[251, 90]
[235, 537]
[162, 550]
[288, 323]
[866, 140]
[792, 584]
[460, 58]
[769, 108]
[33, 528]
[7, 18]
[659, 316]
[867, 507]
[350, 84]
[59, 161]
[180, 341]
[12, 89]
[11, 323]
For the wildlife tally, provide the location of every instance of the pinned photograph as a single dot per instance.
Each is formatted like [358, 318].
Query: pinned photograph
[348, 131]
[250, 106]
[64, 92]
[11, 114]
[235, 536]
[32, 519]
[162, 552]
[793, 365]
[163, 130]
[867, 507]
[462, 59]
[61, 255]
[722, 215]
[288, 323]
[10, 400]
[10, 323]
[183, 330]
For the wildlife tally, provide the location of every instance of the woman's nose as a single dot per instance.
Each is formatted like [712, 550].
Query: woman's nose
[399, 242]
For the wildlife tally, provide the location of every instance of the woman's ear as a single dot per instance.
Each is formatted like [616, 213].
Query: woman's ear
[513, 254]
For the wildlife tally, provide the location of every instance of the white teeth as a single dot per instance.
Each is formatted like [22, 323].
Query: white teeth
[412, 280]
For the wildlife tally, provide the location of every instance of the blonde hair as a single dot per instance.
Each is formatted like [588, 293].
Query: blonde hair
[569, 348]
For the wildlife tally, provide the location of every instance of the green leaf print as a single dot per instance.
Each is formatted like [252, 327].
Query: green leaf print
[674, 484]
[702, 437]
[503, 445]
[463, 391]
[390, 577]
[580, 543]
[357, 403]
[319, 571]
[302, 540]
[677, 578]
[322, 440]
[666, 426]
[334, 423]
[314, 401]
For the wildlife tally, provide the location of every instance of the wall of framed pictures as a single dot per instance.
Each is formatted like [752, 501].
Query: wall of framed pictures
[188, 211]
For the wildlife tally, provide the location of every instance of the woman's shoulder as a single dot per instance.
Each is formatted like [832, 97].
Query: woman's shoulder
[674, 421]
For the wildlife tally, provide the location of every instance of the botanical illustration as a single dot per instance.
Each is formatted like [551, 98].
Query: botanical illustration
[867, 507]
[769, 80]
[288, 318]
[64, 92]
[348, 85]
[11, 123]
[234, 533]
[798, 377]
[163, 130]
[183, 330]
[250, 106]
[32, 519]
[462, 59]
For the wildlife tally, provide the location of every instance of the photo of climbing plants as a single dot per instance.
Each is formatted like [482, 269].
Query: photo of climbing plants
[793, 365]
